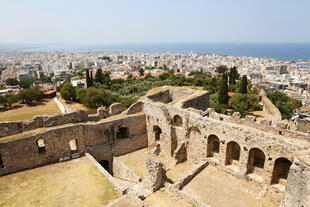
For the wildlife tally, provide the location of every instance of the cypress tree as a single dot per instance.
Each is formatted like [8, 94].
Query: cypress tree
[244, 85]
[223, 92]
[98, 76]
[88, 81]
[91, 78]
[233, 75]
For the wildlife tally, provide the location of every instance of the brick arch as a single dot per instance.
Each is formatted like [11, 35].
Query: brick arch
[232, 153]
[157, 132]
[177, 121]
[213, 146]
[280, 170]
[256, 161]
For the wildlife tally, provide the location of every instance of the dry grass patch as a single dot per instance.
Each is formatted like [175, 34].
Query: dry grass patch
[77, 106]
[26, 112]
[75, 183]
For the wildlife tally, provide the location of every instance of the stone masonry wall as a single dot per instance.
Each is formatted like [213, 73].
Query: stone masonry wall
[19, 152]
[297, 192]
[271, 112]
[10, 128]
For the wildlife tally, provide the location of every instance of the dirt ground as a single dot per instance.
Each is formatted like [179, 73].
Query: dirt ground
[166, 199]
[136, 161]
[180, 170]
[220, 189]
[74, 183]
[25, 112]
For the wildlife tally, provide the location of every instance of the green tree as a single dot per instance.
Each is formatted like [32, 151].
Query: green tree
[91, 78]
[221, 69]
[26, 83]
[244, 103]
[36, 93]
[88, 79]
[223, 91]
[141, 72]
[10, 99]
[244, 85]
[164, 76]
[98, 76]
[26, 96]
[233, 75]
[106, 79]
[148, 76]
[67, 92]
[12, 82]
[285, 104]
[81, 94]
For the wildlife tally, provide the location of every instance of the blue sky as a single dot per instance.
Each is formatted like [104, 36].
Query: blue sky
[139, 21]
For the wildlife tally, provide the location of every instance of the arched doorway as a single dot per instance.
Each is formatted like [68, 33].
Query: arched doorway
[232, 153]
[177, 121]
[106, 165]
[157, 131]
[280, 170]
[213, 145]
[256, 160]
[122, 133]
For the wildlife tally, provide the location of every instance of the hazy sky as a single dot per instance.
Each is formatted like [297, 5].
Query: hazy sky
[131, 21]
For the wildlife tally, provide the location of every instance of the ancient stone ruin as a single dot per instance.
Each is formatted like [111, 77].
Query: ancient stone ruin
[178, 124]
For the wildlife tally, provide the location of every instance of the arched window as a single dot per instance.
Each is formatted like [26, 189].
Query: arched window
[41, 146]
[157, 131]
[232, 153]
[280, 170]
[73, 146]
[1, 162]
[122, 133]
[213, 145]
[256, 160]
[177, 121]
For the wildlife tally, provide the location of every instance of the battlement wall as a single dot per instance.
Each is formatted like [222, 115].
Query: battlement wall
[16, 127]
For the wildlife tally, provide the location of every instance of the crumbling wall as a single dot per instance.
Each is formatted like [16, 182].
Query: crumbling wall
[303, 125]
[297, 191]
[21, 151]
[116, 108]
[120, 170]
[248, 133]
[271, 112]
[200, 102]
[10, 128]
[155, 175]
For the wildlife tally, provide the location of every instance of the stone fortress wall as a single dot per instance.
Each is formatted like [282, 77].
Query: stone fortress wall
[246, 148]
[179, 123]
[104, 139]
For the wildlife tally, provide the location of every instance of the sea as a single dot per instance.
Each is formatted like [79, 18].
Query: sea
[281, 51]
